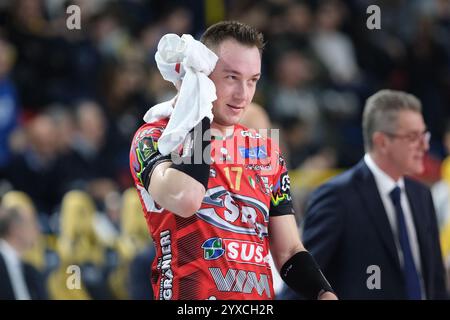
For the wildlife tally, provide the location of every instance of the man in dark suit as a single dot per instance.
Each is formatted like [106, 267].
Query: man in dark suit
[372, 230]
[18, 280]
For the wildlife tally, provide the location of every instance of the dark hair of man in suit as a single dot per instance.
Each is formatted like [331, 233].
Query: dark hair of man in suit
[381, 112]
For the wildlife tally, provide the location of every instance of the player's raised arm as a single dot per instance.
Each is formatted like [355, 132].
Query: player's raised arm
[176, 170]
[180, 187]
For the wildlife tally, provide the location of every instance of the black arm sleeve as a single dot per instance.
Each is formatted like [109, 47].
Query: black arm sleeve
[302, 274]
[196, 158]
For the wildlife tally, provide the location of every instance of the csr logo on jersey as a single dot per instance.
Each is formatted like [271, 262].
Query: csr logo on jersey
[253, 153]
[212, 249]
[234, 212]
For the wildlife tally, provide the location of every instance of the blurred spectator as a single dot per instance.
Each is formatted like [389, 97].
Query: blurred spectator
[289, 28]
[9, 108]
[428, 67]
[35, 169]
[149, 38]
[28, 30]
[295, 92]
[18, 279]
[65, 126]
[109, 33]
[340, 104]
[124, 94]
[178, 20]
[35, 254]
[334, 48]
[92, 164]
[161, 90]
[257, 16]
[301, 151]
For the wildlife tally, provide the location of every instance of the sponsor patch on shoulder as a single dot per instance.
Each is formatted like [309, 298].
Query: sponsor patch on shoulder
[147, 147]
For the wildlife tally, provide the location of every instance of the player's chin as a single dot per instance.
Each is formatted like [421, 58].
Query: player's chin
[227, 121]
[233, 119]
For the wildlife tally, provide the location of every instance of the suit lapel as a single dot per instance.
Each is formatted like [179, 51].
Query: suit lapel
[371, 198]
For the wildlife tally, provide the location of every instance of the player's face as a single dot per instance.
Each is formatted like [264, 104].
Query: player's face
[235, 76]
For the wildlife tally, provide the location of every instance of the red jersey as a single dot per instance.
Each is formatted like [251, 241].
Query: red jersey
[221, 252]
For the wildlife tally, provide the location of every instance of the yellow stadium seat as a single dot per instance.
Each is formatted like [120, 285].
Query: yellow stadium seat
[78, 242]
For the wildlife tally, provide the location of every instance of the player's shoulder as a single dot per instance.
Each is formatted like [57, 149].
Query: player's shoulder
[152, 129]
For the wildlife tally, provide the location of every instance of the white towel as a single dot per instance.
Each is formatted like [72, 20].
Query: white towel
[188, 61]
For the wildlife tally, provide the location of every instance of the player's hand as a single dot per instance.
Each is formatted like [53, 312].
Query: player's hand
[327, 295]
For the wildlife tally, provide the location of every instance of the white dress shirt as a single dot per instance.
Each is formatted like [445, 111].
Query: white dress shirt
[15, 271]
[385, 184]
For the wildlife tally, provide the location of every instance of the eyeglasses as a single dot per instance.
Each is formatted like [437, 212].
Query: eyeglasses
[412, 137]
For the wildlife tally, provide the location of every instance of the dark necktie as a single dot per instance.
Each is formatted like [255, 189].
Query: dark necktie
[411, 276]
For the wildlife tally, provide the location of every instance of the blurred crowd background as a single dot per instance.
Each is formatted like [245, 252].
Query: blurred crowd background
[71, 100]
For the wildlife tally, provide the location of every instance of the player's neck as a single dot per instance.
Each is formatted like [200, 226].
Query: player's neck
[220, 131]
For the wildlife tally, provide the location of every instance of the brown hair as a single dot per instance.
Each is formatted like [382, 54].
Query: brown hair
[242, 33]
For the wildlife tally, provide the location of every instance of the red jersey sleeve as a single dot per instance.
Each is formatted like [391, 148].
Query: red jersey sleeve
[144, 153]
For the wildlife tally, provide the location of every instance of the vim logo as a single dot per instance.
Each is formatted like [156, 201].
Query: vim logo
[241, 281]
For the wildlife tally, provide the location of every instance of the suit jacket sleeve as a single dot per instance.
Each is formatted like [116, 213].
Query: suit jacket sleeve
[439, 282]
[323, 224]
